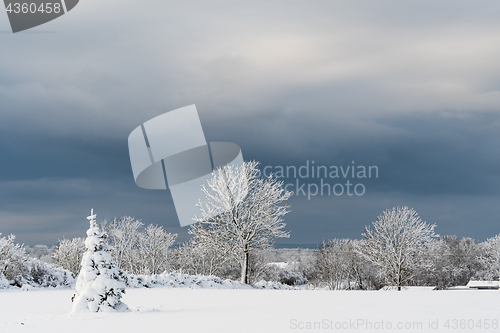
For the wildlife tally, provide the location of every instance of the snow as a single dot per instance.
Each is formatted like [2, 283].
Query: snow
[274, 285]
[175, 280]
[490, 284]
[459, 288]
[183, 281]
[188, 310]
[4, 283]
[172, 280]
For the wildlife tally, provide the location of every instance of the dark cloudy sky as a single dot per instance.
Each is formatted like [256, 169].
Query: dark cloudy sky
[412, 87]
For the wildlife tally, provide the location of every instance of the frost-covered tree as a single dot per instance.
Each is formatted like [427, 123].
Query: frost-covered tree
[18, 269]
[69, 254]
[153, 244]
[12, 258]
[189, 258]
[40, 252]
[123, 235]
[333, 264]
[490, 259]
[137, 250]
[339, 266]
[395, 244]
[99, 286]
[242, 212]
[452, 262]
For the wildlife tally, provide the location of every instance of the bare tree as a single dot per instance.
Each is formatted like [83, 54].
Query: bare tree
[490, 258]
[450, 261]
[123, 234]
[339, 266]
[242, 212]
[69, 254]
[395, 244]
[152, 246]
[192, 259]
[137, 250]
[332, 263]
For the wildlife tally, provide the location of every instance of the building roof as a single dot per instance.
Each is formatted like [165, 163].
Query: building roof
[483, 284]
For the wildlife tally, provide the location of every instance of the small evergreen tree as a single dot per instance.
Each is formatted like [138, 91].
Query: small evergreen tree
[99, 286]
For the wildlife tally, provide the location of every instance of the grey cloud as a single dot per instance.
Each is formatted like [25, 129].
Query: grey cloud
[411, 87]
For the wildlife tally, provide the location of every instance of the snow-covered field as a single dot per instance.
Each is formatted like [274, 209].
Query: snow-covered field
[186, 310]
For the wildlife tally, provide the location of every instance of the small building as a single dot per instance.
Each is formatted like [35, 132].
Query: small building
[486, 285]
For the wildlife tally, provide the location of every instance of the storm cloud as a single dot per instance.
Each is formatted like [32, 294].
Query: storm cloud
[412, 88]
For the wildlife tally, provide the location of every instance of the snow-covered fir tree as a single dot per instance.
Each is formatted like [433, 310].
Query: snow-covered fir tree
[99, 286]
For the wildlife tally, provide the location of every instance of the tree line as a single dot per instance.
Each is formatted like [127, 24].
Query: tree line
[241, 216]
[442, 261]
[398, 249]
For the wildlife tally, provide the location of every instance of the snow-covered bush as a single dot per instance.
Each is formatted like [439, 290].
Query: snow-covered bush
[41, 274]
[100, 283]
[4, 283]
[291, 278]
[272, 285]
[176, 280]
[18, 270]
[13, 258]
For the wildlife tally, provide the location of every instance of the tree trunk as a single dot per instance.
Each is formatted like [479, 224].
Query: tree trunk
[399, 278]
[244, 268]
